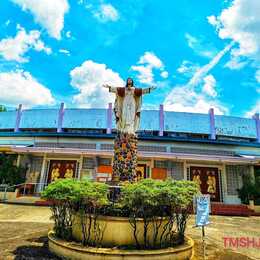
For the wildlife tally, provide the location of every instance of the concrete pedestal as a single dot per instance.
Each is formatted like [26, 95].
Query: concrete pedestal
[125, 157]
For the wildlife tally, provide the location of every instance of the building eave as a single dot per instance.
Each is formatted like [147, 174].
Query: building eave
[141, 137]
[173, 156]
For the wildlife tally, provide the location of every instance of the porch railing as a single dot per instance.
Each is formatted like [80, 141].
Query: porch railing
[24, 189]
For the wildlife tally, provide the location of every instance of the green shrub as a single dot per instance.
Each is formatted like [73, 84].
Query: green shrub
[69, 196]
[9, 173]
[150, 199]
[250, 190]
[62, 193]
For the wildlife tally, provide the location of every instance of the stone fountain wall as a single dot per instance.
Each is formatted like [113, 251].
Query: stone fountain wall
[125, 157]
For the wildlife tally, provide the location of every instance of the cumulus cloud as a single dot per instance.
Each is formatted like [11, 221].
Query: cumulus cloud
[240, 23]
[186, 99]
[145, 68]
[255, 109]
[196, 96]
[236, 63]
[88, 80]
[14, 49]
[209, 86]
[200, 47]
[20, 87]
[106, 13]
[187, 68]
[48, 13]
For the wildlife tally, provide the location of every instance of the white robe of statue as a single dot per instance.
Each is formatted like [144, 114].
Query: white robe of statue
[128, 107]
[129, 112]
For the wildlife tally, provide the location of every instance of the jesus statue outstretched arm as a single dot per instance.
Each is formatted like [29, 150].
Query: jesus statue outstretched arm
[111, 89]
[148, 90]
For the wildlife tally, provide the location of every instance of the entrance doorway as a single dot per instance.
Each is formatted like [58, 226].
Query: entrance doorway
[141, 172]
[207, 179]
[61, 169]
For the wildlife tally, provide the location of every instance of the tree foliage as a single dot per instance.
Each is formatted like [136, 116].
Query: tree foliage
[9, 173]
[250, 189]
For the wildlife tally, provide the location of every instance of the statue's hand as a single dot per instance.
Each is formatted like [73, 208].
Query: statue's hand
[152, 88]
[106, 86]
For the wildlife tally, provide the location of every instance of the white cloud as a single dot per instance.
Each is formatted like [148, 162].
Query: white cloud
[212, 20]
[48, 13]
[209, 86]
[64, 51]
[235, 63]
[187, 68]
[7, 22]
[88, 80]
[151, 59]
[194, 98]
[106, 13]
[254, 110]
[187, 99]
[68, 34]
[15, 48]
[164, 74]
[20, 87]
[202, 72]
[199, 47]
[145, 66]
[240, 22]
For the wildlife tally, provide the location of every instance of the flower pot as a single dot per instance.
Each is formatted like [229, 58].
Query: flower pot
[117, 231]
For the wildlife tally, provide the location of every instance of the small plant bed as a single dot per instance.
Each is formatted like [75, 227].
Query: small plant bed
[147, 215]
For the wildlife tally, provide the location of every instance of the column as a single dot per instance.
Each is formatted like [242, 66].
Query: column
[43, 174]
[18, 161]
[109, 118]
[185, 174]
[161, 120]
[80, 166]
[60, 118]
[18, 118]
[212, 124]
[257, 123]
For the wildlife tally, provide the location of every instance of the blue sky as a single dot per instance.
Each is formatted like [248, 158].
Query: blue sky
[199, 54]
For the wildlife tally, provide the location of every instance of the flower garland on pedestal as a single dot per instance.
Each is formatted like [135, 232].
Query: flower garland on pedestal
[125, 157]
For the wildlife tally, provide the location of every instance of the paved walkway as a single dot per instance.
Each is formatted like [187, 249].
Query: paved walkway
[23, 231]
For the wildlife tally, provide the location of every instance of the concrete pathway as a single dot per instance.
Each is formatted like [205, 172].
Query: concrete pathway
[23, 231]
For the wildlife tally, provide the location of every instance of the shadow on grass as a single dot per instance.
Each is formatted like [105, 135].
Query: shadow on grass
[38, 250]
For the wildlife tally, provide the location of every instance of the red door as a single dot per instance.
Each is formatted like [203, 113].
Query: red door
[60, 169]
[207, 179]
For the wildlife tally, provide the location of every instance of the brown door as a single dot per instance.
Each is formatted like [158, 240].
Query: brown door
[140, 172]
[208, 180]
[60, 169]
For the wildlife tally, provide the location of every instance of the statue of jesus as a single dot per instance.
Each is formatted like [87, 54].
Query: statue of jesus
[127, 106]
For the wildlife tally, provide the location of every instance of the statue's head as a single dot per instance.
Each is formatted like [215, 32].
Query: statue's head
[129, 83]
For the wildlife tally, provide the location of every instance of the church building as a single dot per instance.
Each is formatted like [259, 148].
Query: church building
[216, 151]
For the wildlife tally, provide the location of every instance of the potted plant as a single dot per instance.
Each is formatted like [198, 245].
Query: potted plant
[150, 215]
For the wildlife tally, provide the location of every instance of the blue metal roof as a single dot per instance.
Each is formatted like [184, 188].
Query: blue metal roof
[39, 118]
[7, 120]
[180, 122]
[85, 118]
[187, 122]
